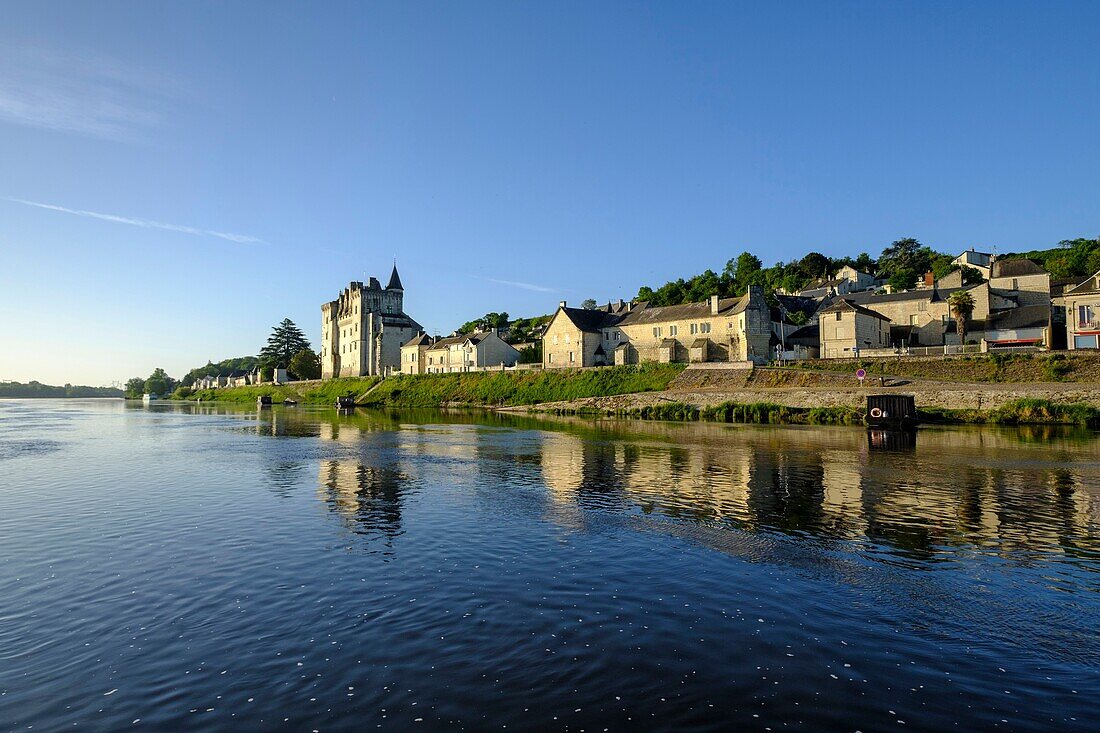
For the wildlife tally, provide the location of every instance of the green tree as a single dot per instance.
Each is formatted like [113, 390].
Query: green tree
[305, 365]
[285, 341]
[815, 264]
[905, 254]
[135, 386]
[961, 303]
[158, 383]
[589, 304]
[902, 279]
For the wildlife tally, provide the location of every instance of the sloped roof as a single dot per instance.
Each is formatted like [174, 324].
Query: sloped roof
[700, 343]
[1016, 268]
[843, 304]
[932, 295]
[1030, 316]
[421, 339]
[395, 281]
[591, 321]
[1091, 284]
[684, 312]
[807, 333]
[668, 343]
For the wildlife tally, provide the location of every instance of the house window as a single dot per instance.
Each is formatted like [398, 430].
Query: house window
[566, 338]
[570, 357]
[694, 329]
[672, 330]
[922, 306]
[704, 328]
[1084, 314]
[550, 358]
[914, 320]
[657, 332]
[555, 339]
[838, 316]
[617, 335]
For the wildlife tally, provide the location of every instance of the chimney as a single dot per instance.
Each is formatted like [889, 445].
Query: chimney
[714, 305]
[561, 303]
[929, 279]
[620, 304]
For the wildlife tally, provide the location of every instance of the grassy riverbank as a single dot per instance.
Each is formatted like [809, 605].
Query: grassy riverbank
[1019, 412]
[486, 389]
[1082, 366]
[307, 393]
[519, 388]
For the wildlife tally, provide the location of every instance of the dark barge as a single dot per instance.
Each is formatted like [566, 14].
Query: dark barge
[891, 411]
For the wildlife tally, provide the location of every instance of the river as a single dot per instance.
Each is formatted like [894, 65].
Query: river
[209, 567]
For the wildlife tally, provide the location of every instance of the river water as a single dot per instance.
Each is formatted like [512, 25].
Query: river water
[215, 568]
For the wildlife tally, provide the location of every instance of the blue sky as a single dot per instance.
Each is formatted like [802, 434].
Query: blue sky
[210, 168]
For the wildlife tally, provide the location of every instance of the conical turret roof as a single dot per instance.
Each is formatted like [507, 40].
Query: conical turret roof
[395, 281]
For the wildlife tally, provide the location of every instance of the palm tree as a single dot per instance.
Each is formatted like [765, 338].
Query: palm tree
[961, 303]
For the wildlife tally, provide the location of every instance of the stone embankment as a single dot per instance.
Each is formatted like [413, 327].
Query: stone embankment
[801, 388]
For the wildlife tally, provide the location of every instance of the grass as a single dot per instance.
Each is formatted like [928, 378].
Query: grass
[760, 413]
[519, 388]
[1021, 412]
[309, 393]
[992, 367]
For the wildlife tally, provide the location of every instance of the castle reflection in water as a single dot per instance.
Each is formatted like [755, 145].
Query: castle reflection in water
[1011, 491]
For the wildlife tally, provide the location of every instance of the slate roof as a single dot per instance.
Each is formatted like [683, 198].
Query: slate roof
[843, 304]
[700, 343]
[932, 295]
[805, 334]
[1030, 316]
[684, 312]
[1091, 284]
[395, 281]
[422, 339]
[593, 320]
[1016, 268]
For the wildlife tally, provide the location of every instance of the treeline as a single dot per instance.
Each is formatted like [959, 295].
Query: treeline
[1071, 258]
[37, 389]
[900, 264]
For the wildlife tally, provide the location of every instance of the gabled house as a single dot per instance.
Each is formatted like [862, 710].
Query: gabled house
[414, 354]
[1081, 304]
[845, 328]
[468, 353]
[584, 337]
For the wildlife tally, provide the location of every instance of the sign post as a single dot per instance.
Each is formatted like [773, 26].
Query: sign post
[861, 374]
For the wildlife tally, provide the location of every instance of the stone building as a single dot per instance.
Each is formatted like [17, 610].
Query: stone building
[1081, 304]
[923, 317]
[414, 354]
[362, 330]
[721, 329]
[845, 328]
[1024, 279]
[473, 352]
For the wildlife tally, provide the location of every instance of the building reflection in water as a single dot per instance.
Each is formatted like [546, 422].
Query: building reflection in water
[980, 488]
[366, 487]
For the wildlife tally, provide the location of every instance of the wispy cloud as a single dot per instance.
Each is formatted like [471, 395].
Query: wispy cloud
[144, 223]
[525, 286]
[84, 93]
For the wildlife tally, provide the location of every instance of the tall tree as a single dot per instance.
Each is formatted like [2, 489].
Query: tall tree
[961, 303]
[159, 383]
[589, 304]
[285, 341]
[134, 387]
